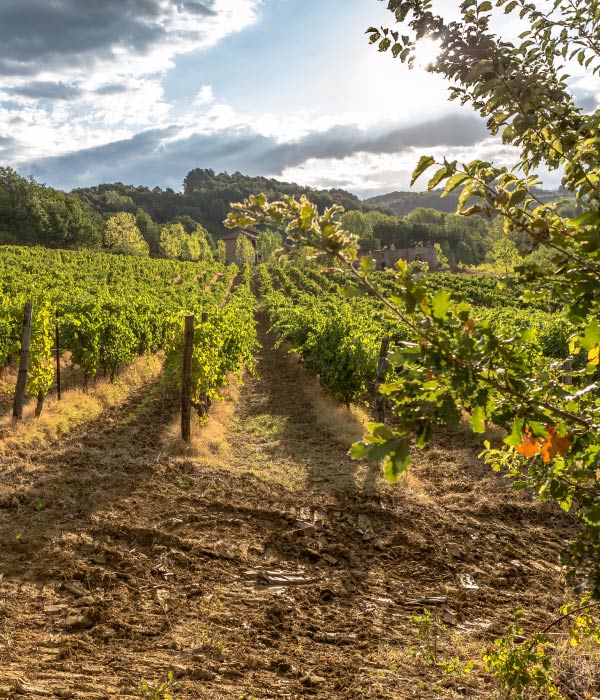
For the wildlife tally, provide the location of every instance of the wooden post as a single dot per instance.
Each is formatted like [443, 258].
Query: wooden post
[58, 396]
[567, 377]
[381, 371]
[23, 363]
[186, 381]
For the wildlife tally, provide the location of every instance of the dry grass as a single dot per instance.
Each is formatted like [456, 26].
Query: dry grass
[576, 668]
[76, 407]
[208, 440]
[346, 425]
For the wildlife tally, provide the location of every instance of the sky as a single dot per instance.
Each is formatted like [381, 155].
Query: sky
[142, 91]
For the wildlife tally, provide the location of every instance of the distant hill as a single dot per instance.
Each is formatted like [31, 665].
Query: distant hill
[206, 197]
[402, 203]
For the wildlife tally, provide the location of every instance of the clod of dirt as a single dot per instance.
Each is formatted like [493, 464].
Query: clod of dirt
[334, 638]
[83, 622]
[74, 588]
[312, 681]
[24, 688]
[454, 550]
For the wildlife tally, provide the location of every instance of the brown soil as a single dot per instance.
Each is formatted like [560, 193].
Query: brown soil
[281, 570]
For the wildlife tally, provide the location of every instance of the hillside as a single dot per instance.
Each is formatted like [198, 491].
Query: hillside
[206, 197]
[402, 203]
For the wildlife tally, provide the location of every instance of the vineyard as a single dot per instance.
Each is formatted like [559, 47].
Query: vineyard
[106, 311]
[258, 560]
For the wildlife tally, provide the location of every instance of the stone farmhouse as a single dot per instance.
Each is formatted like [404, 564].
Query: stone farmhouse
[388, 257]
[231, 244]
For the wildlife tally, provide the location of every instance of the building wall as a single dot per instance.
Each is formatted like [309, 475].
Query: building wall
[389, 257]
[230, 246]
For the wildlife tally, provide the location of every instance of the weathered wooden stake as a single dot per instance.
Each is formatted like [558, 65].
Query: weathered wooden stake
[23, 363]
[380, 399]
[40, 404]
[567, 377]
[186, 381]
[58, 395]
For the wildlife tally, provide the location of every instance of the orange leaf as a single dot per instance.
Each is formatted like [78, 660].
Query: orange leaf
[529, 446]
[554, 445]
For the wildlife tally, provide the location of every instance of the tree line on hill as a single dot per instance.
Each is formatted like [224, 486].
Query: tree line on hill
[187, 226]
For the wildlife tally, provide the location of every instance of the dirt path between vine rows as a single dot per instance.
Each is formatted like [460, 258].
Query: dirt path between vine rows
[274, 568]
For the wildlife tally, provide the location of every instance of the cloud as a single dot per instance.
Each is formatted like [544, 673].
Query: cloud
[368, 174]
[135, 37]
[57, 31]
[46, 90]
[204, 96]
[163, 156]
[196, 7]
[341, 141]
[112, 89]
[77, 74]
[8, 147]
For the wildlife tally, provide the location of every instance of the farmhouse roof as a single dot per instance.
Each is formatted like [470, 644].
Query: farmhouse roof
[234, 235]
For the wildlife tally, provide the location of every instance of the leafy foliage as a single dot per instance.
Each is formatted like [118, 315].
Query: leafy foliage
[41, 368]
[31, 214]
[113, 308]
[224, 344]
[244, 251]
[123, 236]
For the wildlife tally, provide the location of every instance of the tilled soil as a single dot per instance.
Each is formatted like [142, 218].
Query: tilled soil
[295, 578]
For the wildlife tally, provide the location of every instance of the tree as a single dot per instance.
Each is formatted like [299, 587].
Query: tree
[268, 242]
[504, 255]
[149, 230]
[221, 252]
[443, 261]
[360, 225]
[32, 214]
[196, 245]
[123, 236]
[244, 251]
[172, 239]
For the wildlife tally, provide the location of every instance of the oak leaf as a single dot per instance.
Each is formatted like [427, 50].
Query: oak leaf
[529, 446]
[554, 445]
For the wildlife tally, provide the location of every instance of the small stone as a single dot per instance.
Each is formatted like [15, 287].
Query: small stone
[309, 681]
[202, 674]
[454, 550]
[308, 528]
[468, 583]
[74, 588]
[450, 618]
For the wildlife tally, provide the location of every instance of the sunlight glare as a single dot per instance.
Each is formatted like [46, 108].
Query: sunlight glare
[426, 52]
